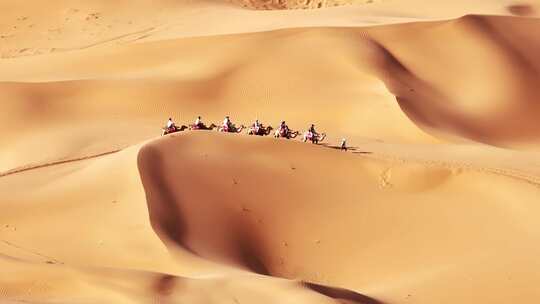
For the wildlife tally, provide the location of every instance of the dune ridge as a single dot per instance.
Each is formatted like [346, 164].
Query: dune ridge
[53, 163]
[529, 175]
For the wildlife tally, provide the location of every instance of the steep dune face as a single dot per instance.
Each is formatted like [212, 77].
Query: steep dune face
[487, 93]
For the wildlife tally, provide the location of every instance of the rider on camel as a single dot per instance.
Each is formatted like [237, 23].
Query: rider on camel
[284, 129]
[226, 124]
[170, 125]
[198, 123]
[312, 132]
[256, 126]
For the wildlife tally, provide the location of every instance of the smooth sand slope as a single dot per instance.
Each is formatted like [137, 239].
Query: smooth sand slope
[29, 29]
[435, 203]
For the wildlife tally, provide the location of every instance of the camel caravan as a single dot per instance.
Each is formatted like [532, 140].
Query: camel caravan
[257, 128]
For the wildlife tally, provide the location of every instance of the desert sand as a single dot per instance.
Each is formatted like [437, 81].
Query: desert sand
[434, 202]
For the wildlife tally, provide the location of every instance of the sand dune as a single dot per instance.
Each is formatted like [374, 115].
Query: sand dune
[380, 218]
[376, 205]
[486, 97]
[434, 203]
[28, 29]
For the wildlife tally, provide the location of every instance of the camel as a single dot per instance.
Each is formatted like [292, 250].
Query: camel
[289, 134]
[173, 129]
[314, 138]
[263, 131]
[202, 127]
[232, 129]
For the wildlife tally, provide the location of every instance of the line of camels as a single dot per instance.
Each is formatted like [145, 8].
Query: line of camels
[261, 131]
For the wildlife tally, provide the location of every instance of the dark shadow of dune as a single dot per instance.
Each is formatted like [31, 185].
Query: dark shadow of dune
[345, 295]
[165, 214]
[337, 147]
[413, 94]
[521, 9]
[151, 286]
[165, 284]
[168, 218]
[492, 27]
[363, 152]
[430, 109]
[249, 253]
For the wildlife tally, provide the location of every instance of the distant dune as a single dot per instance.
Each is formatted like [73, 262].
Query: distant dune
[296, 4]
[434, 201]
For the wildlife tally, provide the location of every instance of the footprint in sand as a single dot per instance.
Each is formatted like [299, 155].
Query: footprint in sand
[54, 30]
[7, 226]
[93, 16]
[384, 179]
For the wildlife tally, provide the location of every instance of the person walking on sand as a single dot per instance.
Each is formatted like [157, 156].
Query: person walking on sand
[343, 144]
